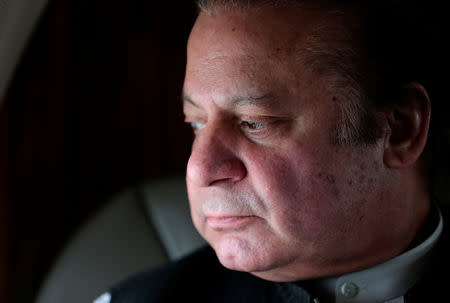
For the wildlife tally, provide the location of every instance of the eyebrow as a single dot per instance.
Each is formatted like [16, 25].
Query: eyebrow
[186, 99]
[264, 100]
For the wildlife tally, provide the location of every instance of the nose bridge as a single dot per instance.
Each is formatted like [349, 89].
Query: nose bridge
[215, 136]
[214, 156]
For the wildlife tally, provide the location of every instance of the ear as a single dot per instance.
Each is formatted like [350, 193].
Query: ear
[408, 121]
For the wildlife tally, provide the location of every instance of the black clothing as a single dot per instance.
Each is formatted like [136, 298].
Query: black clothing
[201, 278]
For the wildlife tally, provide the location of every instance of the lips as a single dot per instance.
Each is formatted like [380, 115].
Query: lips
[229, 222]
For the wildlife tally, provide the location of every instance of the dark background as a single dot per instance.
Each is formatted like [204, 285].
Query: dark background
[94, 107]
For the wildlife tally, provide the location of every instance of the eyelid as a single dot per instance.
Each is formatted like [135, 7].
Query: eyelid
[267, 127]
[196, 122]
[251, 125]
[196, 126]
[266, 120]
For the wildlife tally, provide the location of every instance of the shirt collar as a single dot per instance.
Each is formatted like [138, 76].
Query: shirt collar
[386, 281]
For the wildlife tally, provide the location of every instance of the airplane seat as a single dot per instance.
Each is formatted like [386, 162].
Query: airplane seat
[141, 228]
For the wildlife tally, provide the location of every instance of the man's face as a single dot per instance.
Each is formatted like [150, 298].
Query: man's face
[268, 188]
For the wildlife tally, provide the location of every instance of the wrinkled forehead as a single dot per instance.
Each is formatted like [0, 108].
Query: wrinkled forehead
[269, 33]
[254, 31]
[230, 50]
[279, 42]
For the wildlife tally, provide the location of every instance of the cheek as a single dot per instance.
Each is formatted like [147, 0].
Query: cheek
[307, 193]
[195, 206]
[298, 190]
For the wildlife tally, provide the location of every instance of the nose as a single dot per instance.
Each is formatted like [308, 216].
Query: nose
[214, 158]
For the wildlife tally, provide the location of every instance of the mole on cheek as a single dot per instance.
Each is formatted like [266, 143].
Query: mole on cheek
[331, 179]
[376, 166]
[362, 179]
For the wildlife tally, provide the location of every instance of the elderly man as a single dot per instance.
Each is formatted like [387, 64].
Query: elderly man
[308, 175]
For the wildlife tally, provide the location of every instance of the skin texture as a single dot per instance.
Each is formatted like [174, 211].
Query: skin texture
[268, 188]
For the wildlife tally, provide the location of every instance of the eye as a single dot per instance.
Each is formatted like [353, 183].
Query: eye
[262, 127]
[253, 126]
[197, 125]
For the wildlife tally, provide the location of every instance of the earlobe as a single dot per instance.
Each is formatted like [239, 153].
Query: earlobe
[408, 121]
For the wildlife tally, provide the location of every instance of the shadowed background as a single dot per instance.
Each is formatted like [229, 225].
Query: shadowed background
[94, 107]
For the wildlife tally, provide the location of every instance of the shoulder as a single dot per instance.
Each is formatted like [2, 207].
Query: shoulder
[159, 283]
[198, 277]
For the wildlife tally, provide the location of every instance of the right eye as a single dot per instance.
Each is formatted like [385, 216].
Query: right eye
[196, 126]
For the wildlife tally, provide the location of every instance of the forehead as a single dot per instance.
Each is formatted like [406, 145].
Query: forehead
[259, 26]
[253, 32]
[252, 49]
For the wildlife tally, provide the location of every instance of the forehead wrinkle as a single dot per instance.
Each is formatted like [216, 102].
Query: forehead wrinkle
[235, 72]
[264, 100]
[216, 62]
[187, 100]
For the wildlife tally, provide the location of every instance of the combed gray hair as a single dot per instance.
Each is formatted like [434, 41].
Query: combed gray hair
[210, 5]
[357, 123]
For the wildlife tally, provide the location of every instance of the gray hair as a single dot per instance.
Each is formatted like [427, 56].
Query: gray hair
[209, 6]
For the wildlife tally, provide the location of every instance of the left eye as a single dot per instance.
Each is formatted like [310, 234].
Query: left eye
[253, 125]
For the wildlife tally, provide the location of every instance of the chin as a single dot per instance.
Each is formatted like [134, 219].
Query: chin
[262, 260]
[239, 254]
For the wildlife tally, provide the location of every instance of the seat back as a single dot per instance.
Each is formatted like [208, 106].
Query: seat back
[141, 228]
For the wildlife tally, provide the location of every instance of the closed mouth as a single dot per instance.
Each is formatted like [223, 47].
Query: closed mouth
[229, 222]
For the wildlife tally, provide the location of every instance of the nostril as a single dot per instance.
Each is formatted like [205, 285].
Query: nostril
[230, 170]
